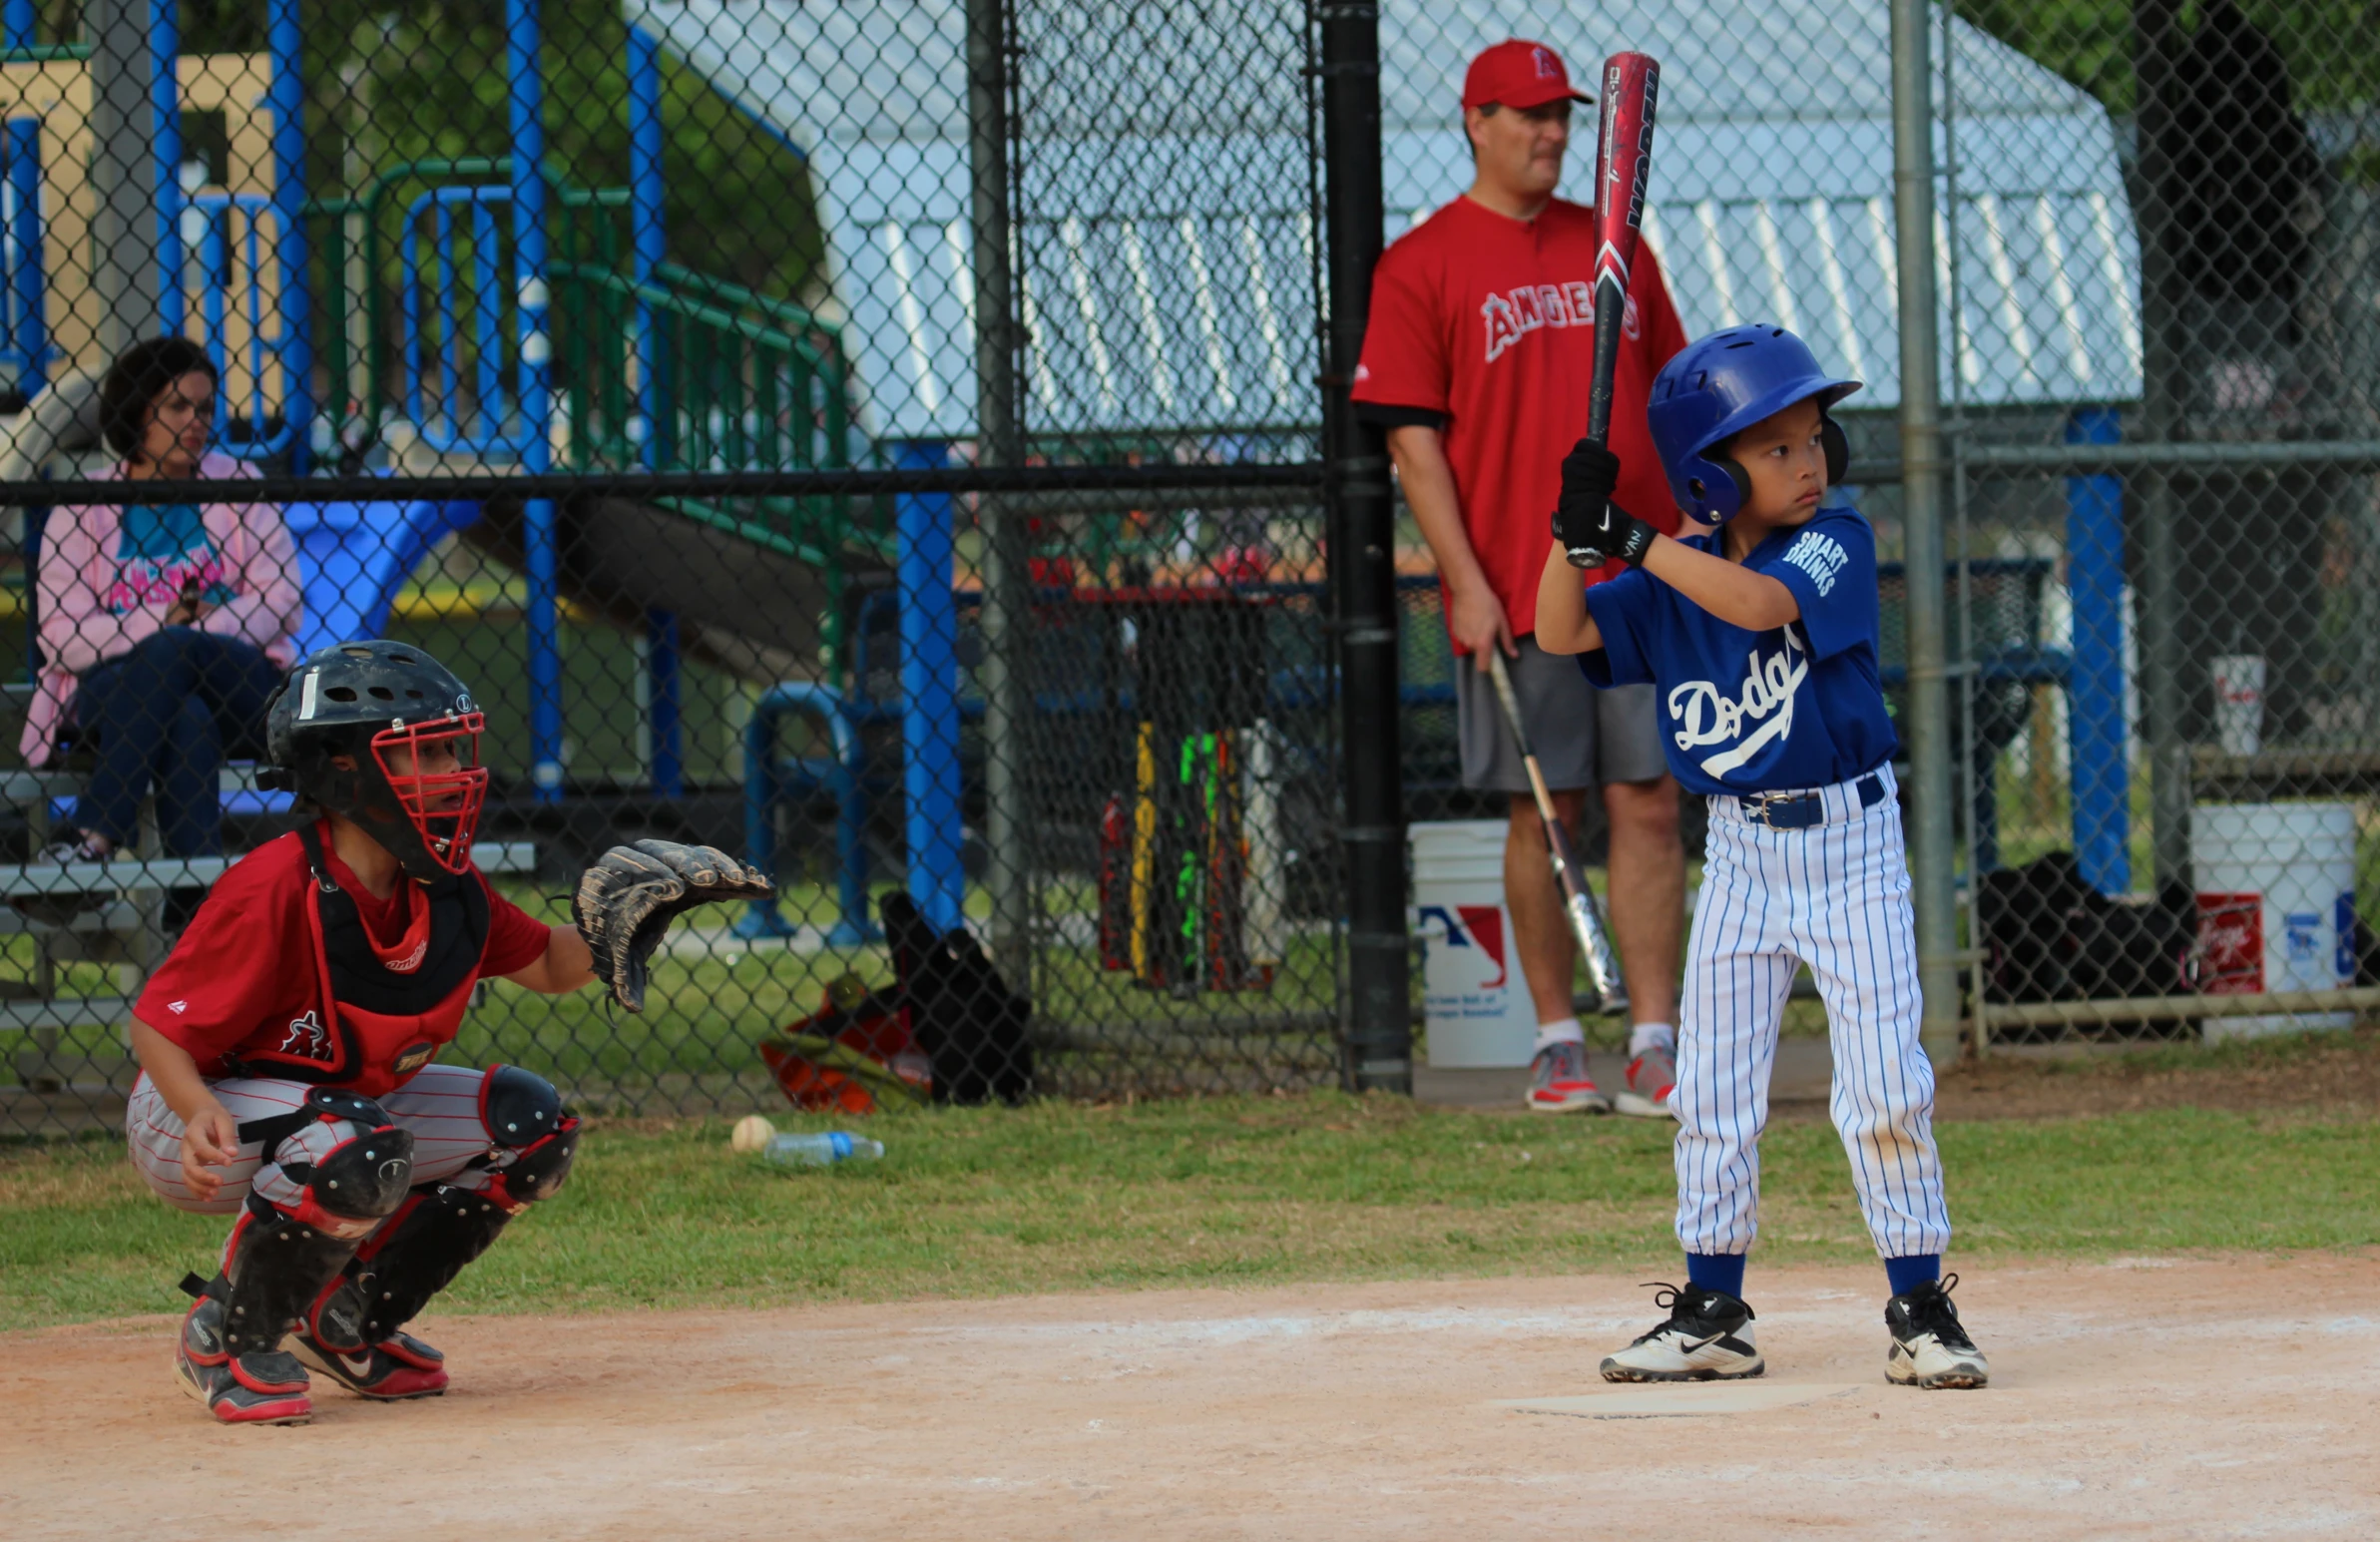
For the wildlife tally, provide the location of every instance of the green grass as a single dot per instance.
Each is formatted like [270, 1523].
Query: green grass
[1226, 1191]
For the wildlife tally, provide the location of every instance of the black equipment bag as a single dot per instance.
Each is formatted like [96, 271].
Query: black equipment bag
[962, 1014]
[2052, 936]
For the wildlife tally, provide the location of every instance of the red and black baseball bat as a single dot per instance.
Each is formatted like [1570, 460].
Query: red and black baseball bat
[1623, 165]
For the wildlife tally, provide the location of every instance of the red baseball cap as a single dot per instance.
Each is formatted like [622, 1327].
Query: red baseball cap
[1517, 74]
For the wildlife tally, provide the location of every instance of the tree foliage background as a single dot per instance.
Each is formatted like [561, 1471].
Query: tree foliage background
[393, 82]
[2333, 46]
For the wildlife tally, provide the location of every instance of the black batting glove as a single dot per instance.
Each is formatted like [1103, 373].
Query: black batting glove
[1590, 527]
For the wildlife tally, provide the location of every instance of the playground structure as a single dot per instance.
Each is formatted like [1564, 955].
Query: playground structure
[531, 326]
[508, 280]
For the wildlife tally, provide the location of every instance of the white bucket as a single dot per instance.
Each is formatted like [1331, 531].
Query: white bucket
[2277, 908]
[1475, 1000]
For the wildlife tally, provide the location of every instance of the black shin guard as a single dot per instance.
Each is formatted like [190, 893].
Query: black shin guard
[439, 1231]
[442, 1229]
[282, 1259]
[278, 1265]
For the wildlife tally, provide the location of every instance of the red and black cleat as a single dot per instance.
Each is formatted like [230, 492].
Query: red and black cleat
[396, 1368]
[268, 1388]
[335, 1339]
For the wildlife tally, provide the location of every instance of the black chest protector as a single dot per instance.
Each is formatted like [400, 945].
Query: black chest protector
[379, 1018]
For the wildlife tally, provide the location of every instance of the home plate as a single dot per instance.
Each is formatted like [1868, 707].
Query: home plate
[1684, 1398]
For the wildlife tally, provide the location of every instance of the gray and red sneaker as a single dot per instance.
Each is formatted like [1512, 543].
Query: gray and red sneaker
[265, 1388]
[333, 1340]
[1651, 1077]
[398, 1366]
[1559, 1083]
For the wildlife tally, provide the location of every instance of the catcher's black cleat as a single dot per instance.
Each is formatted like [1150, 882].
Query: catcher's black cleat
[1708, 1338]
[397, 1367]
[255, 1389]
[339, 1338]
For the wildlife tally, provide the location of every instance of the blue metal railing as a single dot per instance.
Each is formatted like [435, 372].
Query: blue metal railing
[460, 307]
[24, 325]
[239, 237]
[769, 780]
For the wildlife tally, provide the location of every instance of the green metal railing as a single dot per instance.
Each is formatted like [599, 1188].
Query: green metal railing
[739, 380]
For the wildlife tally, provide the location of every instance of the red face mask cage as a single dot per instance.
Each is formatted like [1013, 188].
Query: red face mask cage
[443, 803]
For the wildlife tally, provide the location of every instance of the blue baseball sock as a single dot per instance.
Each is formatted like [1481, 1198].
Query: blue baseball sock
[1720, 1271]
[1908, 1273]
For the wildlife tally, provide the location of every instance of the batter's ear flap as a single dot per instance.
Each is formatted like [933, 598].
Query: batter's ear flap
[1717, 500]
[1740, 479]
[1838, 447]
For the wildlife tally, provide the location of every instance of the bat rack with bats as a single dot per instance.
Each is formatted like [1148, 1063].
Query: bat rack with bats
[1189, 860]
[1578, 900]
[1623, 166]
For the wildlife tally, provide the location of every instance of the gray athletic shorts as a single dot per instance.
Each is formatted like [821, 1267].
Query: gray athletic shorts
[1583, 737]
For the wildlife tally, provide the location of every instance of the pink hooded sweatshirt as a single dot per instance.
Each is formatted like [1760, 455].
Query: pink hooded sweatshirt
[80, 625]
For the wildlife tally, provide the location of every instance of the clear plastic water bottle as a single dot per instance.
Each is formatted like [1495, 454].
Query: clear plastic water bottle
[820, 1150]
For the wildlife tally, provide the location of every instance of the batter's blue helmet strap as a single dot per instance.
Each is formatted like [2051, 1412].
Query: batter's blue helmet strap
[1722, 384]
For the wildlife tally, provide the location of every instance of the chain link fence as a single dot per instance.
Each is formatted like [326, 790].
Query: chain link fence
[885, 441]
[2161, 367]
[878, 440]
[2154, 240]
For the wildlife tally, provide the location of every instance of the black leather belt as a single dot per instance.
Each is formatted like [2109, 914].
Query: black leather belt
[1800, 810]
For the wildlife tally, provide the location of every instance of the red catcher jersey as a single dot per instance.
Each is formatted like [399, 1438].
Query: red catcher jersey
[1488, 322]
[244, 969]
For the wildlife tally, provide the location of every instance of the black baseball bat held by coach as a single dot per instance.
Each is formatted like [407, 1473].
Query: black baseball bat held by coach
[1622, 164]
[1578, 900]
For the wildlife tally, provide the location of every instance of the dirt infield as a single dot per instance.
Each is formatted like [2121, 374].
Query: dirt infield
[2150, 1397]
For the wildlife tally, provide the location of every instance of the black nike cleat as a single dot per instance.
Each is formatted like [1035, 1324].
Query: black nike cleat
[1708, 1338]
[398, 1366]
[1929, 1348]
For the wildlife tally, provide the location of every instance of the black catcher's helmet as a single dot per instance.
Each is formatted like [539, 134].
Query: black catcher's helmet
[398, 714]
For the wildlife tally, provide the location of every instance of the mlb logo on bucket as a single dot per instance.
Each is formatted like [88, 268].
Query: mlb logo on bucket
[1474, 927]
[2231, 944]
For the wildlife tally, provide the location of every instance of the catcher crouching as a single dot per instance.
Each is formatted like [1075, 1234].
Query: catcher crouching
[287, 1044]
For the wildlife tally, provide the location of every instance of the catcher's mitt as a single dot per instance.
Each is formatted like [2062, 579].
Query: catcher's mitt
[626, 900]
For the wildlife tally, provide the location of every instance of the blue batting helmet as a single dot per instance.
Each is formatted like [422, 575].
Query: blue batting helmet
[1722, 384]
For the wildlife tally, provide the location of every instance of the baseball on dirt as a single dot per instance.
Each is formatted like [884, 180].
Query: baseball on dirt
[752, 1132]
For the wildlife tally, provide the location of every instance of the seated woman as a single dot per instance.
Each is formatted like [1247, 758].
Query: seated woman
[163, 627]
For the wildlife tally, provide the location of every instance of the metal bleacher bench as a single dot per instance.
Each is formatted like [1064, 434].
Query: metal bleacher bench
[126, 924]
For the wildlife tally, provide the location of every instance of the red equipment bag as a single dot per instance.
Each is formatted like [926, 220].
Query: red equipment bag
[855, 1054]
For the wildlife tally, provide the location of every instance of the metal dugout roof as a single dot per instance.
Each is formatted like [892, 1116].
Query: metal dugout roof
[1149, 307]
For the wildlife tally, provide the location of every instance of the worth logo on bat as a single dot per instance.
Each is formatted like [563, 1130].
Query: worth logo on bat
[1626, 153]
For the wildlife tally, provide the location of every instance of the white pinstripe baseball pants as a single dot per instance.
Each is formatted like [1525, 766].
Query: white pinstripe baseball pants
[1836, 897]
[440, 1105]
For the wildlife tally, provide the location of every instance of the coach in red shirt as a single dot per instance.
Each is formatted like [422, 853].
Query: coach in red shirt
[1477, 362]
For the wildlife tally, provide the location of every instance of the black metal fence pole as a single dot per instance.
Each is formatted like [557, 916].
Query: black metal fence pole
[1378, 1023]
[2155, 25]
[1007, 617]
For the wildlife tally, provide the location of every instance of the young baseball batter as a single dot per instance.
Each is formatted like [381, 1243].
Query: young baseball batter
[1760, 639]
[287, 1045]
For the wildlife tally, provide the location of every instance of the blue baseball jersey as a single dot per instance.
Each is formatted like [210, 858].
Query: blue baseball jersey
[1759, 712]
